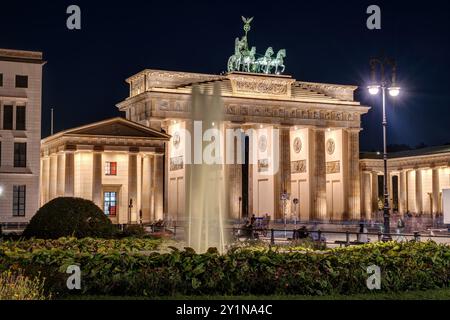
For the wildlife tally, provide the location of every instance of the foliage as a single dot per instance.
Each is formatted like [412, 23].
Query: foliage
[85, 245]
[137, 231]
[15, 286]
[242, 271]
[64, 217]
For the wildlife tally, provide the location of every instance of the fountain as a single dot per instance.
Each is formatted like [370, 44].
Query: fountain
[206, 204]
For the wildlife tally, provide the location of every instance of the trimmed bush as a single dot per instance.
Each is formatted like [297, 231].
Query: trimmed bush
[136, 231]
[64, 217]
[404, 267]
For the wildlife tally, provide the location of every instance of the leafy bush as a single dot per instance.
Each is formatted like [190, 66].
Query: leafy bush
[404, 266]
[65, 217]
[137, 231]
[85, 245]
[17, 287]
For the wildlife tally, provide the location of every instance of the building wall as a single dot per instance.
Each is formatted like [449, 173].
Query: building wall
[52, 187]
[29, 176]
[300, 178]
[336, 200]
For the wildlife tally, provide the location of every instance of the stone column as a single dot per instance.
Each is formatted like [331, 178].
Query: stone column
[354, 196]
[132, 187]
[69, 174]
[367, 194]
[284, 170]
[419, 203]
[46, 180]
[97, 174]
[318, 177]
[53, 175]
[436, 191]
[146, 189]
[402, 194]
[374, 192]
[159, 186]
[152, 190]
[60, 176]
[233, 173]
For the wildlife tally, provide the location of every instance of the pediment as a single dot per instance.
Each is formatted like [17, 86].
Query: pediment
[117, 127]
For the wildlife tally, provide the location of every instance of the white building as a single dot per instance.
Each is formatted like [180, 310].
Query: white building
[20, 134]
[116, 163]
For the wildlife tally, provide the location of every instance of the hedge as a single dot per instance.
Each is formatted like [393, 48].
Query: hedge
[404, 266]
[65, 217]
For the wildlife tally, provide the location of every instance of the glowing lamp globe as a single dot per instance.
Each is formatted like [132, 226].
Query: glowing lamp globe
[394, 91]
[373, 90]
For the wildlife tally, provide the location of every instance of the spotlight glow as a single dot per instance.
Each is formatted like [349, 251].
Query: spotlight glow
[373, 90]
[394, 91]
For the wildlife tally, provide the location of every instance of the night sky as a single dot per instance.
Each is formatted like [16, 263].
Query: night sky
[326, 41]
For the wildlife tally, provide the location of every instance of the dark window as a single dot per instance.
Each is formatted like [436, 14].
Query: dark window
[21, 81]
[0, 153]
[111, 168]
[7, 117]
[20, 117]
[20, 155]
[110, 203]
[1, 79]
[19, 199]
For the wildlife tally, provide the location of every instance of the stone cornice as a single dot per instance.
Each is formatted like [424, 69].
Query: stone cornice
[67, 142]
[159, 106]
[407, 163]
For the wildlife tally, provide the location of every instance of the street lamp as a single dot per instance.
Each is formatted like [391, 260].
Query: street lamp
[394, 91]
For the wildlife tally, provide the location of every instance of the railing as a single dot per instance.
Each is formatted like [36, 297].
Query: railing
[345, 238]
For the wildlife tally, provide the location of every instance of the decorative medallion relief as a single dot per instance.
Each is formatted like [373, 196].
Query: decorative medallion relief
[263, 165]
[262, 143]
[176, 163]
[333, 167]
[298, 166]
[331, 146]
[297, 145]
[176, 140]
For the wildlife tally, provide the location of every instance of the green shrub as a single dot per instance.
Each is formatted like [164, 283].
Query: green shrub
[242, 271]
[137, 231]
[18, 287]
[64, 217]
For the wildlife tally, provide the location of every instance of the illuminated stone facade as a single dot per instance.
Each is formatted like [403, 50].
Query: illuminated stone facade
[115, 163]
[415, 182]
[318, 144]
[20, 134]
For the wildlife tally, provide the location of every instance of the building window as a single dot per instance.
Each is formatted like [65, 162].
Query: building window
[111, 168]
[1, 79]
[21, 81]
[110, 203]
[19, 199]
[20, 117]
[7, 117]
[20, 155]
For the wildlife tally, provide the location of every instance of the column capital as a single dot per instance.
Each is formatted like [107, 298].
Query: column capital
[353, 130]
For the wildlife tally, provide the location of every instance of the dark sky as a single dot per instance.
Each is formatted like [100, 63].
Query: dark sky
[326, 41]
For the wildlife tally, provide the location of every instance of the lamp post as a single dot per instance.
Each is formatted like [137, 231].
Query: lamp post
[394, 91]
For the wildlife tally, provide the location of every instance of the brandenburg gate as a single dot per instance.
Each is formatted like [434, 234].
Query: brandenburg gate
[317, 145]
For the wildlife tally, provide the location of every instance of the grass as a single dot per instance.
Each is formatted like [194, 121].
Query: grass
[438, 294]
